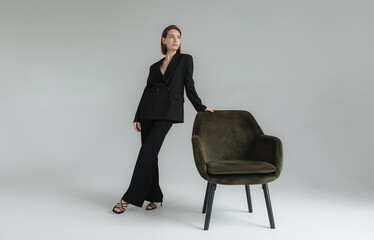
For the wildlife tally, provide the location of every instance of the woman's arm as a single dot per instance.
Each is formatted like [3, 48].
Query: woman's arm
[190, 87]
[137, 115]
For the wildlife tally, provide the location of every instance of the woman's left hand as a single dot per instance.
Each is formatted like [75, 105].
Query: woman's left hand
[209, 109]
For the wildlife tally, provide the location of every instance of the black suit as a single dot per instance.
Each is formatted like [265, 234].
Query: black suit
[163, 96]
[160, 106]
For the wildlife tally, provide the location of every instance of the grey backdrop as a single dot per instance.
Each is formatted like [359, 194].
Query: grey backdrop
[72, 73]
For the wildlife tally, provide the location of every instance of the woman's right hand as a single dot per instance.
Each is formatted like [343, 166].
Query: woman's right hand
[137, 126]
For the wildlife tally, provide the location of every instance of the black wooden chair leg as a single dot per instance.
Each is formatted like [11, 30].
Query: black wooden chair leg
[268, 205]
[210, 204]
[249, 201]
[208, 185]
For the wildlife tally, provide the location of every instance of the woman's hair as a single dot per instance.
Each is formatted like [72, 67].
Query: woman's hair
[165, 33]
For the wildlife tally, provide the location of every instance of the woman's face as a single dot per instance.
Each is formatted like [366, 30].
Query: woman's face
[172, 40]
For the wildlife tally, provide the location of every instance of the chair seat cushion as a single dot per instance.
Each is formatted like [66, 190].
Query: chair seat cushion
[239, 167]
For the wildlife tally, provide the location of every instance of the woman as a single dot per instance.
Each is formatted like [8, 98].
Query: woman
[160, 106]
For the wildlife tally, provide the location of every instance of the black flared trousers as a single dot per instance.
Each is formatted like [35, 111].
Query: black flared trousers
[144, 183]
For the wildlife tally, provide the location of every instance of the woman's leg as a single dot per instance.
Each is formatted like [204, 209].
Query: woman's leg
[144, 181]
[155, 193]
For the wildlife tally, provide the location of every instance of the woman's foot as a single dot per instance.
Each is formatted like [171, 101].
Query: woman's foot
[152, 205]
[120, 207]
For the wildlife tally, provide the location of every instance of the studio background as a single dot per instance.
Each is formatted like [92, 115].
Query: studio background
[72, 74]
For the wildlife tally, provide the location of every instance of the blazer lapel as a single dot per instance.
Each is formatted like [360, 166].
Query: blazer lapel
[170, 69]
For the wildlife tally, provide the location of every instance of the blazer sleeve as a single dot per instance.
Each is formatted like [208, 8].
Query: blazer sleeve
[137, 114]
[190, 87]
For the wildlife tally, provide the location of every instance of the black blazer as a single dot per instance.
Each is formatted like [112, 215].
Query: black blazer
[163, 96]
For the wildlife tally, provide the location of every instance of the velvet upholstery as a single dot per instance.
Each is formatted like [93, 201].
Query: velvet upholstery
[230, 148]
[233, 166]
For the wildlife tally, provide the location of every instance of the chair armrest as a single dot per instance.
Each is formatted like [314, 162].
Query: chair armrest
[199, 156]
[269, 149]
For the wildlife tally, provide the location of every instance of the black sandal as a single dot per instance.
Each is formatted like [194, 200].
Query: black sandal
[121, 206]
[153, 205]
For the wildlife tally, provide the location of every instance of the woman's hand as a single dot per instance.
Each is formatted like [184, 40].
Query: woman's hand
[137, 126]
[209, 109]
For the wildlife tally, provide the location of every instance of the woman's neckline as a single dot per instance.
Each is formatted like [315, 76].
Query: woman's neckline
[162, 60]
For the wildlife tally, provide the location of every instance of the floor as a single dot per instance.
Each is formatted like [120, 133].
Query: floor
[50, 207]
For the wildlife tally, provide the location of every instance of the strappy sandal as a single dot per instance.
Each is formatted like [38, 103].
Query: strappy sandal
[151, 206]
[121, 206]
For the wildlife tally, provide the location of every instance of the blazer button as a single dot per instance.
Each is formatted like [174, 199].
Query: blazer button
[168, 87]
[158, 89]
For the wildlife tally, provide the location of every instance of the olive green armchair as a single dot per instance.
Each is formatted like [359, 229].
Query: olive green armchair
[230, 148]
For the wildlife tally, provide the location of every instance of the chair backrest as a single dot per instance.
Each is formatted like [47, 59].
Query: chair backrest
[226, 134]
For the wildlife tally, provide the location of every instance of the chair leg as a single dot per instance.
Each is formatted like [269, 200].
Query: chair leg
[208, 185]
[268, 205]
[249, 201]
[210, 204]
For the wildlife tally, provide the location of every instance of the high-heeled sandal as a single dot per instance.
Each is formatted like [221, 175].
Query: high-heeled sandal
[121, 206]
[153, 205]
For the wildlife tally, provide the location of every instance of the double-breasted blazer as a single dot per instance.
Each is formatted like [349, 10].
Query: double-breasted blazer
[163, 95]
